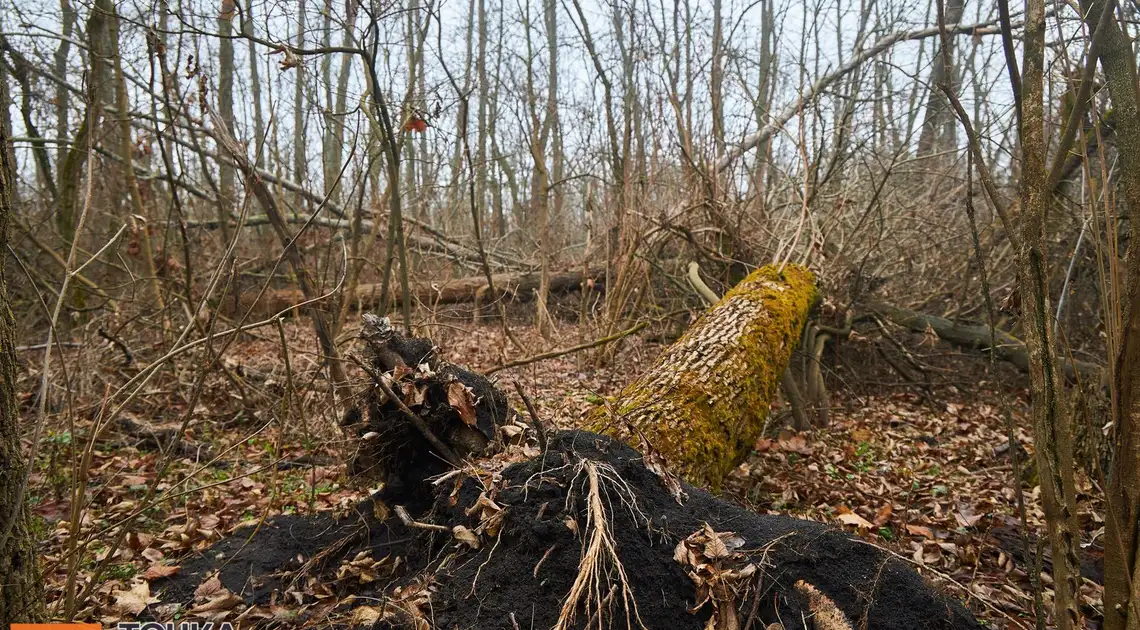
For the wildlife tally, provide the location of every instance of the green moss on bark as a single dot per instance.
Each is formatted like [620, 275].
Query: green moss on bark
[704, 402]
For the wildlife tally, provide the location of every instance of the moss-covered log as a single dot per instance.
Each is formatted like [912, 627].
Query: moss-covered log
[704, 402]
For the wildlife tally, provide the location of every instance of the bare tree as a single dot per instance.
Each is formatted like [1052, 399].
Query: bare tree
[21, 598]
[226, 110]
[1122, 559]
[938, 125]
[67, 15]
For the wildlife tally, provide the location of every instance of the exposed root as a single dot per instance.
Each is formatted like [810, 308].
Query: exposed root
[408, 521]
[825, 615]
[319, 561]
[592, 586]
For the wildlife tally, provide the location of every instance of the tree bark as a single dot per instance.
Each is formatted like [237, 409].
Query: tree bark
[1052, 438]
[226, 110]
[336, 147]
[21, 593]
[1121, 587]
[938, 126]
[126, 143]
[300, 161]
[705, 401]
[480, 165]
[254, 84]
[59, 66]
[716, 78]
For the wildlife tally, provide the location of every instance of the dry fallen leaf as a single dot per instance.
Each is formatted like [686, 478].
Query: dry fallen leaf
[462, 401]
[966, 517]
[883, 516]
[365, 615]
[134, 601]
[465, 536]
[715, 548]
[795, 443]
[847, 517]
[919, 530]
[159, 570]
[207, 589]
[218, 603]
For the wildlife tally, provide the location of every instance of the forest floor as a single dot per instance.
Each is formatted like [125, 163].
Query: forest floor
[919, 470]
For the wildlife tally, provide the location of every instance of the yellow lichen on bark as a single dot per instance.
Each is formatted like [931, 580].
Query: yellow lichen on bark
[704, 402]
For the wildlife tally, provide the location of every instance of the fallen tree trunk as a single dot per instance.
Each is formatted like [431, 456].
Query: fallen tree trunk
[704, 402]
[520, 286]
[978, 337]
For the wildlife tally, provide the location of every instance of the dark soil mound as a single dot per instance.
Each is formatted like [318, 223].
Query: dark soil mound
[538, 521]
[873, 589]
[254, 567]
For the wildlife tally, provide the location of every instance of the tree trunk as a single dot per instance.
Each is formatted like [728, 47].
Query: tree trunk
[1052, 439]
[336, 147]
[716, 79]
[300, 161]
[1121, 587]
[704, 402]
[456, 195]
[6, 102]
[226, 196]
[934, 124]
[59, 66]
[141, 232]
[977, 336]
[21, 593]
[480, 166]
[254, 85]
[550, 123]
[329, 169]
[315, 309]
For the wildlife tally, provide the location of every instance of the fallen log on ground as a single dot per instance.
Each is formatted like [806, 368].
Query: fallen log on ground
[583, 536]
[519, 286]
[978, 337]
[704, 402]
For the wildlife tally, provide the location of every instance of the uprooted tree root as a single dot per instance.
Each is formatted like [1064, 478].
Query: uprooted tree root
[584, 536]
[599, 556]
[421, 415]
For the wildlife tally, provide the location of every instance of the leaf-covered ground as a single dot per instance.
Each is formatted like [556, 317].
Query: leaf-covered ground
[921, 470]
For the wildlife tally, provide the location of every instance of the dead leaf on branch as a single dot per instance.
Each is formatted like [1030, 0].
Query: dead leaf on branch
[490, 515]
[291, 60]
[465, 536]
